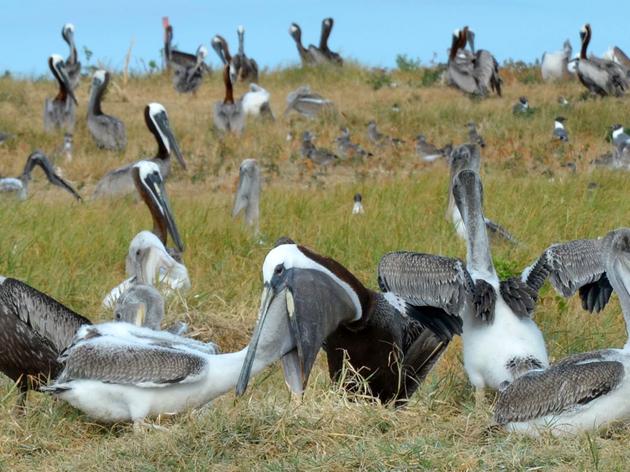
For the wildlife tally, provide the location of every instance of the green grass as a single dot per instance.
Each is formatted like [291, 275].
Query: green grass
[75, 252]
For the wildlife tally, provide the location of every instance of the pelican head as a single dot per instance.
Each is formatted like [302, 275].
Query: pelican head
[67, 32]
[240, 29]
[99, 78]
[295, 32]
[157, 121]
[150, 186]
[57, 67]
[219, 44]
[202, 53]
[141, 305]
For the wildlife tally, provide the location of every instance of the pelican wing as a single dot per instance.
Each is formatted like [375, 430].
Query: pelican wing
[569, 384]
[461, 78]
[426, 280]
[572, 266]
[41, 313]
[484, 69]
[119, 360]
[183, 60]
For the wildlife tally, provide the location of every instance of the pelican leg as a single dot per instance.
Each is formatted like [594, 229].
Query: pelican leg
[480, 397]
[140, 426]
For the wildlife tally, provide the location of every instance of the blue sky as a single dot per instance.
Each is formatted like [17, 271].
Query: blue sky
[373, 32]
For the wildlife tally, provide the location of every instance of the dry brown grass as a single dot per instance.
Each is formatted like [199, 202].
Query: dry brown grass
[75, 252]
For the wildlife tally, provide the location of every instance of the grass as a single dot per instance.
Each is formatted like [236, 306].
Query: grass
[75, 252]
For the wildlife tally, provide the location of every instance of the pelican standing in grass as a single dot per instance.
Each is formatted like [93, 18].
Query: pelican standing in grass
[120, 181]
[19, 185]
[35, 329]
[72, 64]
[228, 114]
[500, 339]
[600, 76]
[246, 67]
[60, 111]
[583, 391]
[189, 70]
[247, 197]
[148, 260]
[391, 343]
[107, 131]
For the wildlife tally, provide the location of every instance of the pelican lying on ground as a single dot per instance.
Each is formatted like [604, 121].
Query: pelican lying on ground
[312, 55]
[148, 261]
[347, 149]
[333, 57]
[246, 68]
[319, 156]
[248, 193]
[428, 152]
[119, 182]
[306, 103]
[583, 391]
[329, 307]
[555, 65]
[35, 329]
[72, 64]
[19, 185]
[600, 76]
[108, 132]
[501, 340]
[256, 102]
[59, 112]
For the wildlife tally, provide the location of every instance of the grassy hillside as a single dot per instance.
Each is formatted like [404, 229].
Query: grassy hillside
[75, 252]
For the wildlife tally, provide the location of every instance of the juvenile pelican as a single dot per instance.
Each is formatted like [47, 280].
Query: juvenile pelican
[347, 149]
[19, 185]
[333, 57]
[600, 76]
[393, 344]
[119, 181]
[310, 56]
[72, 64]
[35, 329]
[379, 138]
[107, 131]
[501, 340]
[59, 112]
[427, 151]
[555, 65]
[583, 391]
[319, 156]
[246, 68]
[148, 261]
[248, 193]
[306, 103]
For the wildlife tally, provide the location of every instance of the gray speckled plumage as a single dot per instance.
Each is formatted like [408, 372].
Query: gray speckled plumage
[563, 387]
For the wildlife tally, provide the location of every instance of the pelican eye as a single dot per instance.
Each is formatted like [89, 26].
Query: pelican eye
[279, 269]
[118, 315]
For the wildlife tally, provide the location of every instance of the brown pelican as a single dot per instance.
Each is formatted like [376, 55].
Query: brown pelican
[501, 340]
[312, 55]
[35, 329]
[72, 64]
[319, 156]
[59, 112]
[189, 70]
[347, 149]
[306, 103]
[583, 391]
[148, 261]
[256, 102]
[108, 132]
[120, 372]
[555, 65]
[467, 156]
[620, 57]
[19, 185]
[357, 208]
[559, 131]
[379, 138]
[246, 68]
[229, 114]
[475, 73]
[248, 193]
[600, 76]
[333, 57]
[119, 181]
[392, 343]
